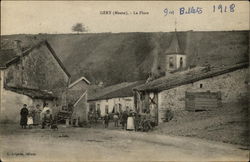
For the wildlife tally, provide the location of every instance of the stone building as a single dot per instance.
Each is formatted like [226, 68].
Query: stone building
[185, 88]
[170, 92]
[32, 73]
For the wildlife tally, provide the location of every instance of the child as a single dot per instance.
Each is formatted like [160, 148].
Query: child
[30, 120]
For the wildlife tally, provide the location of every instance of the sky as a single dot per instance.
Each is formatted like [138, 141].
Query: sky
[32, 17]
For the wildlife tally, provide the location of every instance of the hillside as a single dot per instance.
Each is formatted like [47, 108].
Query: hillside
[119, 57]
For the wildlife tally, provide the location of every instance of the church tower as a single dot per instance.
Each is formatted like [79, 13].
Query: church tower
[175, 57]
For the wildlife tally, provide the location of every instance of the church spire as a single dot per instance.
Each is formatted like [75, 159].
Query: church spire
[174, 47]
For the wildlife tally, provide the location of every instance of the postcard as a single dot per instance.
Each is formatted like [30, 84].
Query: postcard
[124, 81]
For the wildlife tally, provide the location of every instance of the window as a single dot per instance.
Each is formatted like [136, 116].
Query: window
[171, 62]
[201, 85]
[181, 62]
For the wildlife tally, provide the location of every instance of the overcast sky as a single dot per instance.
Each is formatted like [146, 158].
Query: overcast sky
[58, 17]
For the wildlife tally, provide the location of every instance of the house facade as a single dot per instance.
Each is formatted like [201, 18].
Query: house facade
[113, 105]
[80, 110]
[76, 89]
[116, 98]
[36, 69]
[77, 99]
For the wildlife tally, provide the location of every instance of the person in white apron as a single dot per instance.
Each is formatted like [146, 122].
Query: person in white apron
[130, 122]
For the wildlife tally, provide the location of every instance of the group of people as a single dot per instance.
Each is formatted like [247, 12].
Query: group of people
[34, 116]
[131, 120]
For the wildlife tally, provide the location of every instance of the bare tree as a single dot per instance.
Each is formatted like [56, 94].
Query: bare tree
[79, 27]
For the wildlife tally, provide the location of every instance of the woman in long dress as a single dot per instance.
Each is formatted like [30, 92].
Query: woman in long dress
[130, 122]
[24, 113]
[36, 115]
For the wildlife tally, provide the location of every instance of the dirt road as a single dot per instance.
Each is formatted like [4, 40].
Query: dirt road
[90, 144]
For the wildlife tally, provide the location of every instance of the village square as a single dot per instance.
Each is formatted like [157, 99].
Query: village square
[127, 96]
[37, 93]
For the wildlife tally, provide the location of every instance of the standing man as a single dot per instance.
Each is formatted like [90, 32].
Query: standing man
[124, 119]
[24, 116]
[106, 120]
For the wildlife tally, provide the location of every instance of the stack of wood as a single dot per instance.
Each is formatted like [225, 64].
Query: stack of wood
[196, 101]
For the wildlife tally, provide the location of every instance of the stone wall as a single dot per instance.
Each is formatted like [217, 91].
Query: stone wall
[40, 70]
[231, 85]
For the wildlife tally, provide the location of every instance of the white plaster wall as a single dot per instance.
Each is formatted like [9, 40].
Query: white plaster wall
[13, 102]
[231, 85]
[124, 101]
[11, 105]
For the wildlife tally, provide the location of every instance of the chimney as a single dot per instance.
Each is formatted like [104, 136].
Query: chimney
[18, 48]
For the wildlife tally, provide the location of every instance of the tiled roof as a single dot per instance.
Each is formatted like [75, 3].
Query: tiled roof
[32, 93]
[187, 76]
[11, 56]
[119, 90]
[6, 55]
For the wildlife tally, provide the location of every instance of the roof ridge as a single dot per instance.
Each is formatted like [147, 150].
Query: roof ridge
[102, 95]
[182, 79]
[78, 80]
[37, 45]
